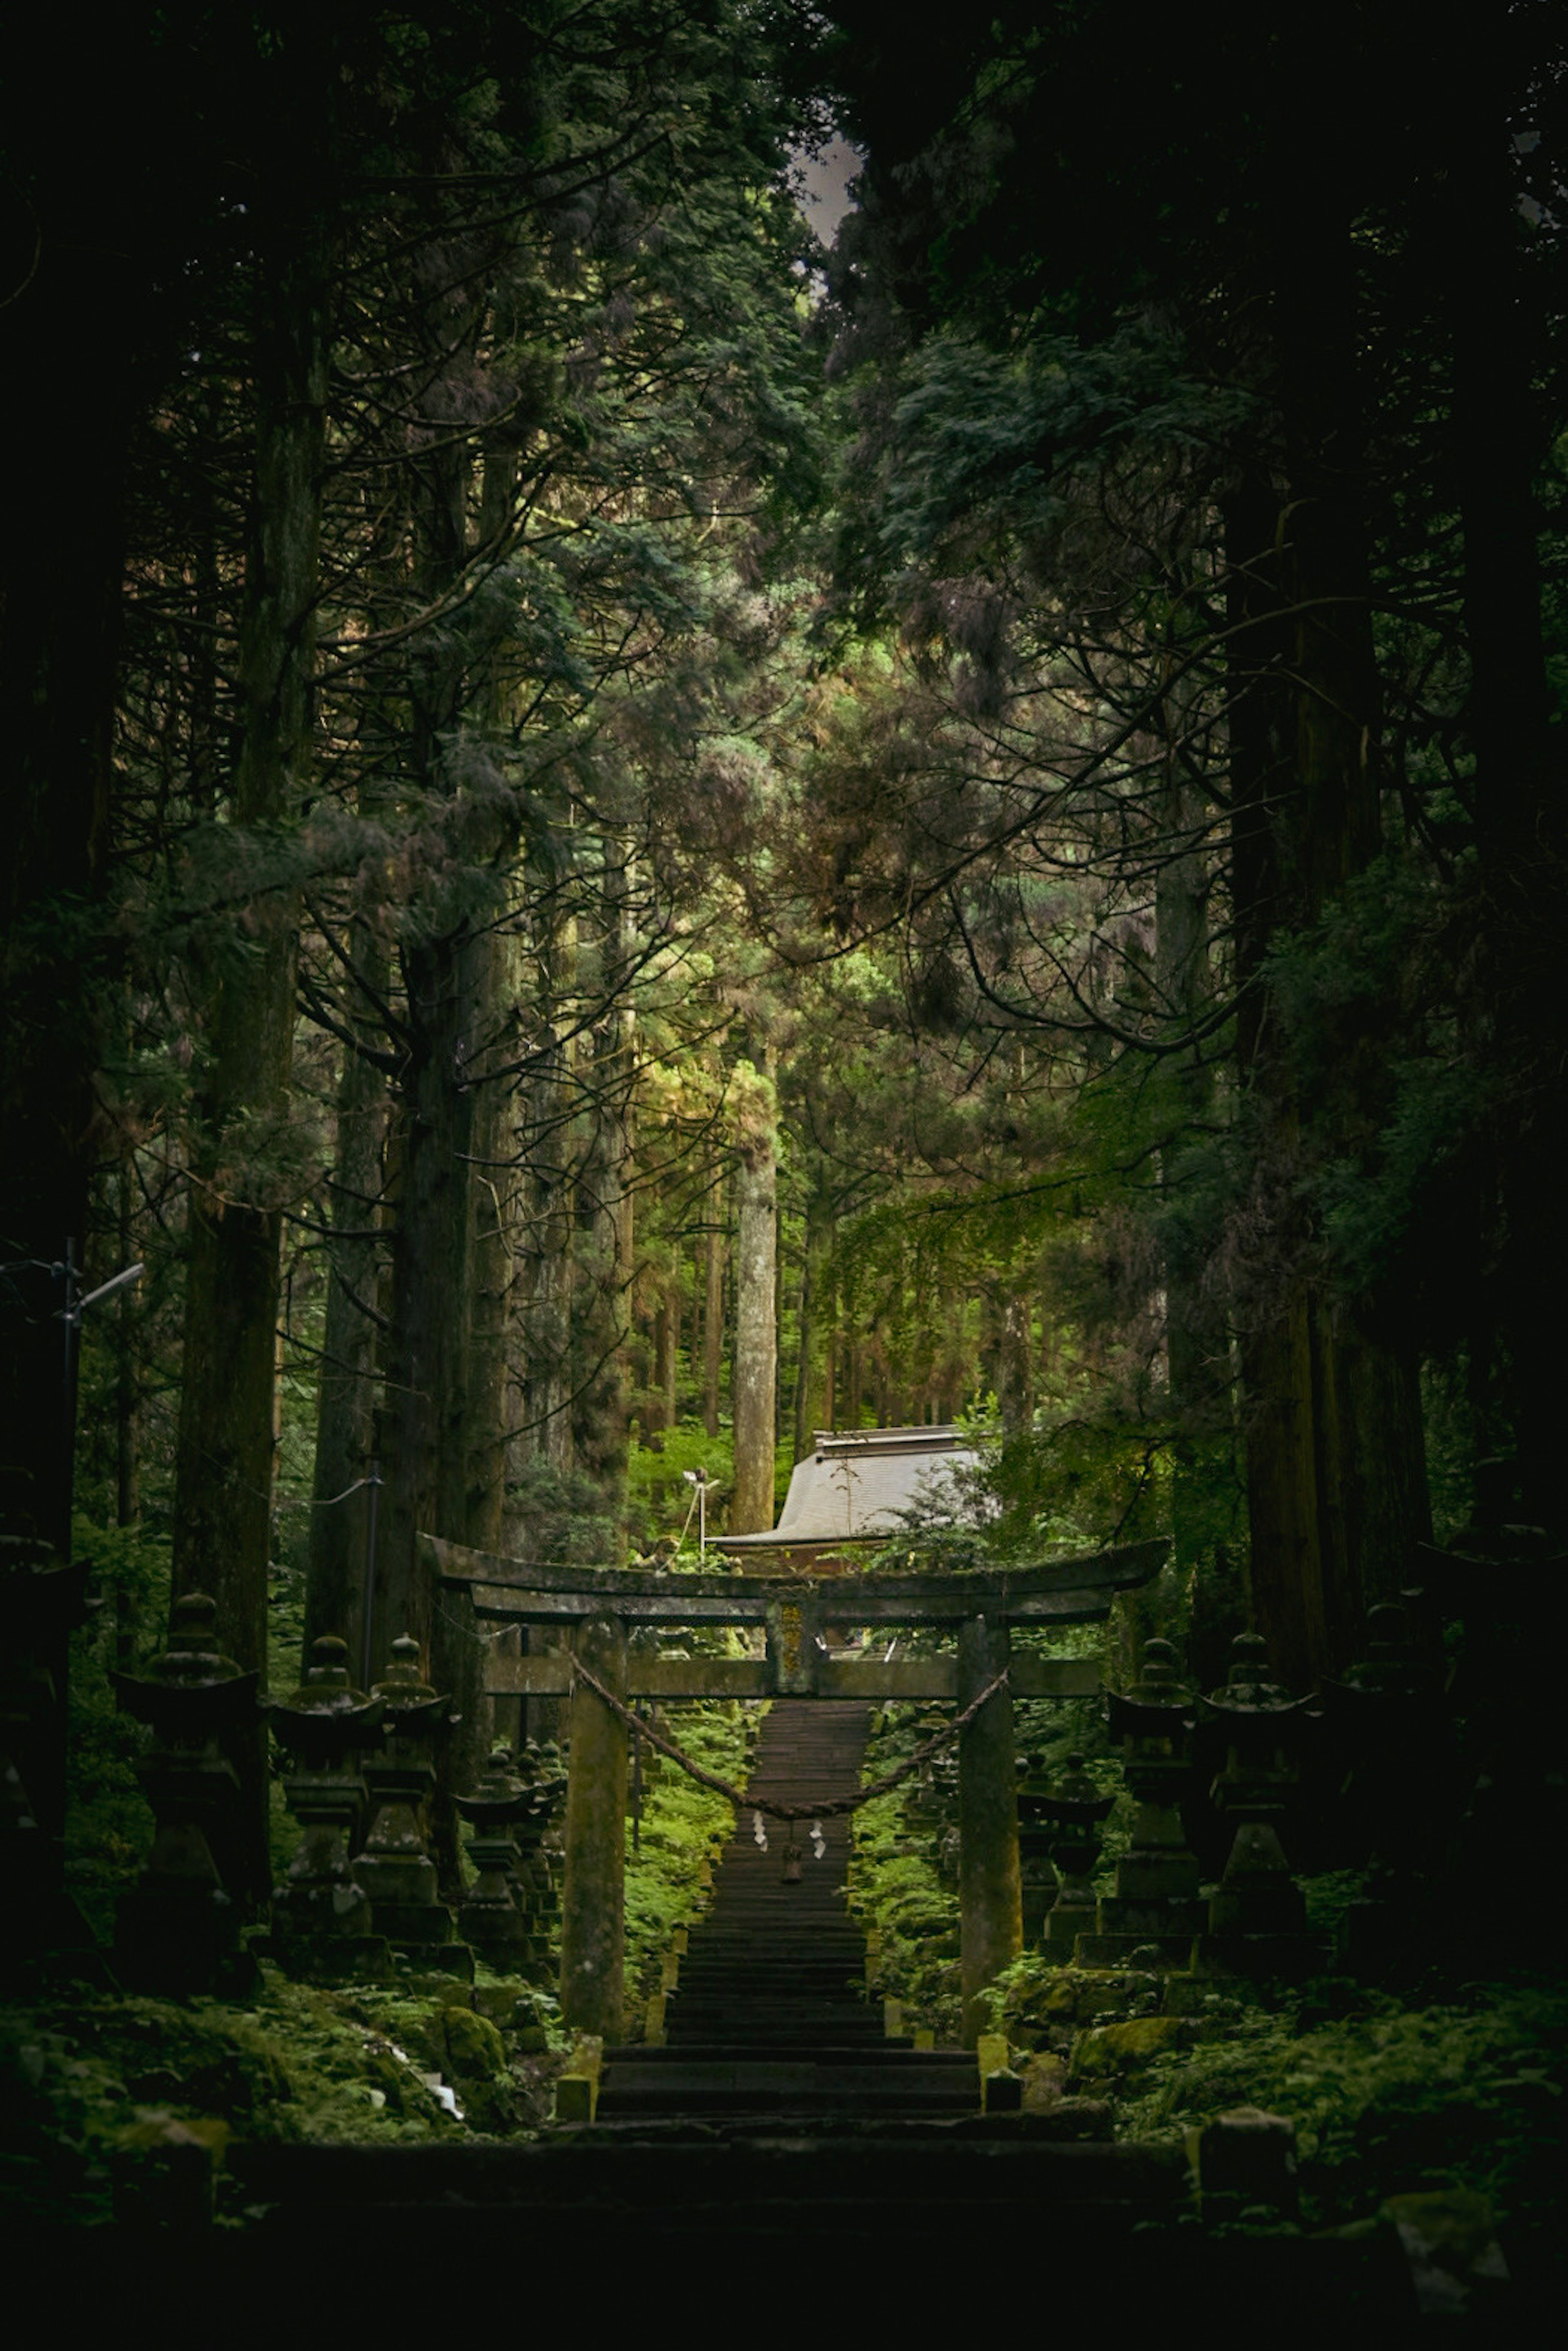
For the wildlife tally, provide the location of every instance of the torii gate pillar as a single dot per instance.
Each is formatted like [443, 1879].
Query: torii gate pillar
[593, 1899]
[990, 1893]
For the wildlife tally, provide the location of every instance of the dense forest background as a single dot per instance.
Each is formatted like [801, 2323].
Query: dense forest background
[625, 836]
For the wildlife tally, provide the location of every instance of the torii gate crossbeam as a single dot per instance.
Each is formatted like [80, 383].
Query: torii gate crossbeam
[595, 1608]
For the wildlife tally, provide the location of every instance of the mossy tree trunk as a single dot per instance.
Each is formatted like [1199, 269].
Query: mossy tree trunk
[713, 1311]
[1336, 1482]
[347, 1385]
[754, 1389]
[811, 1377]
[225, 1443]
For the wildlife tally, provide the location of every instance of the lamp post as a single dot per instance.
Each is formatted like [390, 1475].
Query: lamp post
[698, 1478]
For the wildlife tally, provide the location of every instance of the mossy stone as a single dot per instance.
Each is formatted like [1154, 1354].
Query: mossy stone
[1108, 2050]
[475, 2049]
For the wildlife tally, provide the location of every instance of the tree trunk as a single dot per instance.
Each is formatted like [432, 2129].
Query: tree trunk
[443, 974]
[756, 1272]
[600, 1436]
[546, 1418]
[1520, 791]
[346, 1386]
[492, 1265]
[1197, 1354]
[1335, 1499]
[224, 1452]
[713, 1313]
[812, 1375]
[61, 558]
[667, 1347]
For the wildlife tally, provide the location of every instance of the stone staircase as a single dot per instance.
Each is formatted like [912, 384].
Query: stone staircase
[770, 2017]
[776, 2150]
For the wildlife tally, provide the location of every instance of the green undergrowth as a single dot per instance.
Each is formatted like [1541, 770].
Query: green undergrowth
[94, 2084]
[661, 1503]
[1466, 2091]
[902, 1871]
[897, 1891]
[1453, 2086]
[899, 1888]
[682, 1826]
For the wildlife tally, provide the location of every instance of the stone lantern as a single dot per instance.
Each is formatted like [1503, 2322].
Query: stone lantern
[1155, 1911]
[1396, 1756]
[395, 1868]
[322, 1924]
[535, 1881]
[494, 1918]
[1256, 1916]
[1075, 1812]
[43, 1600]
[178, 1928]
[1037, 1878]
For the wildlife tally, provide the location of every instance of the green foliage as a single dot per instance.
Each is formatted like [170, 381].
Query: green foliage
[1387, 2099]
[88, 2079]
[109, 1825]
[661, 1499]
[1465, 2088]
[896, 1889]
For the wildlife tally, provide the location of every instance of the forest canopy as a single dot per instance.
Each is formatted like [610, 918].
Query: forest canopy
[627, 834]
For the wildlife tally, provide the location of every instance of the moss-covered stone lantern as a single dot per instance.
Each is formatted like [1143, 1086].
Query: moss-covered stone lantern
[178, 1928]
[1155, 1911]
[1075, 1812]
[1256, 1916]
[323, 1922]
[394, 1868]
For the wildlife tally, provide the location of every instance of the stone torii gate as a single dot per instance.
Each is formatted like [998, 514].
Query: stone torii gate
[593, 1610]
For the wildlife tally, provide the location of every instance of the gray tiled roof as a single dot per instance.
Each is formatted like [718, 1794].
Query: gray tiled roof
[851, 1488]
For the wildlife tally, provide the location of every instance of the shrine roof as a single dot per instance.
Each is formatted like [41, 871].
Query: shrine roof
[856, 1484]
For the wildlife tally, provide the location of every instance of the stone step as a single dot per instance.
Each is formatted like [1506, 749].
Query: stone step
[769, 2086]
[840, 2170]
[639, 2052]
[770, 1975]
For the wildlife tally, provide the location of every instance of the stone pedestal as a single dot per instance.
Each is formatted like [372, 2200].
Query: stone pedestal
[178, 1930]
[323, 1925]
[395, 1869]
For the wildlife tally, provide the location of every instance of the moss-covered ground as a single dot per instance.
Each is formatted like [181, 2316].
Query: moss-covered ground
[1437, 2083]
[682, 1830]
[96, 2086]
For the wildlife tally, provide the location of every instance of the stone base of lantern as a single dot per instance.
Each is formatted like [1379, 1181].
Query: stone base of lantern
[182, 1945]
[1136, 1949]
[329, 1958]
[500, 1937]
[1288, 1958]
[434, 1957]
[49, 1942]
[1376, 1932]
[1065, 1923]
[321, 1937]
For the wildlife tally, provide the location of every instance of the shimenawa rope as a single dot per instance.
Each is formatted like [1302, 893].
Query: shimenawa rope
[778, 1812]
